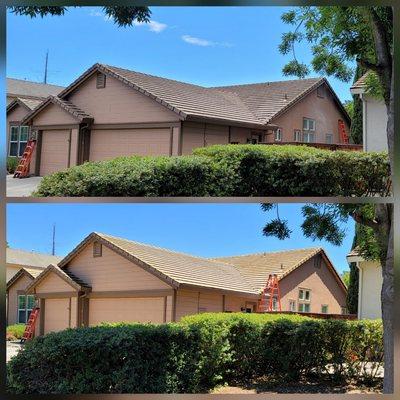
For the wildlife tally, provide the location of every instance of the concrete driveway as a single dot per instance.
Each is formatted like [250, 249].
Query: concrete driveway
[22, 187]
[13, 347]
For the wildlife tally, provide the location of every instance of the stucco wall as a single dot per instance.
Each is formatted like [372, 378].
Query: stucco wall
[374, 124]
[324, 111]
[12, 302]
[324, 288]
[370, 284]
[118, 103]
[112, 272]
[54, 115]
[52, 283]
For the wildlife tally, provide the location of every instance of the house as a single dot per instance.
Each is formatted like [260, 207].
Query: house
[22, 267]
[110, 279]
[374, 117]
[17, 259]
[369, 285]
[110, 111]
[23, 97]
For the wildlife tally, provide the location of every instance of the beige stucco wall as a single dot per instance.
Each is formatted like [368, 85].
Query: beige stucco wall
[324, 288]
[118, 103]
[54, 115]
[324, 111]
[369, 292]
[52, 283]
[112, 272]
[12, 299]
[196, 134]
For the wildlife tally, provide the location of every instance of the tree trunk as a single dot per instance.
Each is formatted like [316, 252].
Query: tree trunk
[384, 214]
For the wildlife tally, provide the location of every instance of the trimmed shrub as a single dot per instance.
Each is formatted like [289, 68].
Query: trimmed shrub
[228, 170]
[15, 331]
[12, 164]
[108, 359]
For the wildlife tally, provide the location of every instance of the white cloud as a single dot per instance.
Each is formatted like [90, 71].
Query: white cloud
[154, 26]
[203, 42]
[94, 13]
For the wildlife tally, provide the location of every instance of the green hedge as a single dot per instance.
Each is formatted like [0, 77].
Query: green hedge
[236, 347]
[108, 359]
[15, 331]
[199, 353]
[229, 170]
[12, 164]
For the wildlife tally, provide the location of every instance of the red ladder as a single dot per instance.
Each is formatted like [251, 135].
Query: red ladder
[30, 325]
[270, 292]
[344, 137]
[23, 166]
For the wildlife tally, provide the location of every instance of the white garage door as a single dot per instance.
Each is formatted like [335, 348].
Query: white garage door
[149, 309]
[56, 315]
[54, 154]
[106, 144]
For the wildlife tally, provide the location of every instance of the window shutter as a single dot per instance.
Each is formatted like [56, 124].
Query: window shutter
[100, 81]
[97, 249]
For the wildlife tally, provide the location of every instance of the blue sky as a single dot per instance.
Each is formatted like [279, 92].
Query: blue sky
[200, 229]
[209, 46]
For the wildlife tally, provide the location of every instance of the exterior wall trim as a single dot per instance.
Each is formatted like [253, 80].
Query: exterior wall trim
[221, 291]
[56, 295]
[130, 293]
[55, 127]
[137, 125]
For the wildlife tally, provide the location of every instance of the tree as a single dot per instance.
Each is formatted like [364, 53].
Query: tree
[325, 221]
[356, 127]
[339, 35]
[346, 278]
[121, 15]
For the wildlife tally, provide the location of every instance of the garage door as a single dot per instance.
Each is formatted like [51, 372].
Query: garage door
[56, 315]
[106, 144]
[126, 310]
[54, 154]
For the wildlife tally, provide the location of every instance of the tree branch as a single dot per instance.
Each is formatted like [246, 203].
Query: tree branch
[359, 218]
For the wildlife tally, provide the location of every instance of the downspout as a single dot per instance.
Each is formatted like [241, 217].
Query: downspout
[360, 289]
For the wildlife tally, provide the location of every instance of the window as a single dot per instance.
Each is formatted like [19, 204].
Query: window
[18, 138]
[308, 137]
[308, 124]
[297, 135]
[344, 310]
[278, 135]
[329, 138]
[97, 249]
[25, 306]
[100, 81]
[274, 304]
[304, 294]
[292, 305]
[324, 309]
[304, 307]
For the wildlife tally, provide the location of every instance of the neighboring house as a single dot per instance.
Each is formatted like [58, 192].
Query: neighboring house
[21, 268]
[374, 117]
[109, 279]
[109, 112]
[23, 97]
[369, 286]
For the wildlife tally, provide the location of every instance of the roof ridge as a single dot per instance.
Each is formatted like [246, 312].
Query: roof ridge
[271, 252]
[267, 82]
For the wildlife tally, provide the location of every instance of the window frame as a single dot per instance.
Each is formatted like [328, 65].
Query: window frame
[278, 135]
[292, 302]
[322, 308]
[308, 120]
[307, 135]
[19, 129]
[331, 138]
[25, 310]
[304, 305]
[297, 132]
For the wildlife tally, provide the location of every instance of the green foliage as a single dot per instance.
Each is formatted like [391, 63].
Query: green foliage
[374, 86]
[337, 35]
[108, 359]
[356, 127]
[349, 106]
[228, 170]
[346, 278]
[352, 289]
[15, 331]
[12, 164]
[121, 15]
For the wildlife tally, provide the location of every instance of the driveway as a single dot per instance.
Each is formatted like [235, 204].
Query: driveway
[13, 347]
[22, 187]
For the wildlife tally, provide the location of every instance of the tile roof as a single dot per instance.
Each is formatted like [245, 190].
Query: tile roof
[22, 88]
[361, 82]
[257, 267]
[268, 99]
[30, 103]
[253, 104]
[32, 272]
[30, 258]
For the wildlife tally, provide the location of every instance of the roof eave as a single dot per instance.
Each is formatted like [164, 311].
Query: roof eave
[252, 294]
[201, 118]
